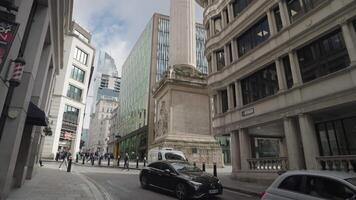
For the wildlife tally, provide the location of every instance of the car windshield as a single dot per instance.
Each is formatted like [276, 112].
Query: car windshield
[352, 181]
[173, 156]
[185, 167]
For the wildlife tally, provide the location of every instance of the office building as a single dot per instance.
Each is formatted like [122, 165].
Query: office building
[34, 32]
[70, 93]
[282, 75]
[144, 67]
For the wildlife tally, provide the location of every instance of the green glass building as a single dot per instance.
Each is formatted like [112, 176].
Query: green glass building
[145, 65]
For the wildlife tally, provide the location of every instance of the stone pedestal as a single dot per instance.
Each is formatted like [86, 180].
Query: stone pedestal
[182, 116]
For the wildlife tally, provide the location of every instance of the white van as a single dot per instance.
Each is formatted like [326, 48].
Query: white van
[156, 154]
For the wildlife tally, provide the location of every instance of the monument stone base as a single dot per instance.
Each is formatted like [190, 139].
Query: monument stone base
[182, 116]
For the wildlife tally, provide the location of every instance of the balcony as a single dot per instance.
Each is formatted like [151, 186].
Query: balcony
[268, 164]
[338, 163]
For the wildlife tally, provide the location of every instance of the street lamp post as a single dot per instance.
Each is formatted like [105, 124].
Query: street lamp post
[19, 64]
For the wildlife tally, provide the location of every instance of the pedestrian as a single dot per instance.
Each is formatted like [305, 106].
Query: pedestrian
[57, 156]
[64, 157]
[127, 160]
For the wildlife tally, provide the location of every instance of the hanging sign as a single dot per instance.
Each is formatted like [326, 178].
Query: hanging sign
[8, 32]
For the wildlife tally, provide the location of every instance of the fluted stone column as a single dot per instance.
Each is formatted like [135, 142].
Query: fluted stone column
[245, 149]
[310, 141]
[182, 33]
[295, 153]
[235, 151]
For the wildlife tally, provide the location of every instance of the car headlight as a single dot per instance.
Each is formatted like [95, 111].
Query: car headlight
[196, 185]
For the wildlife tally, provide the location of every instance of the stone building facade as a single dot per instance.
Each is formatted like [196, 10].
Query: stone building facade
[39, 41]
[282, 82]
[70, 93]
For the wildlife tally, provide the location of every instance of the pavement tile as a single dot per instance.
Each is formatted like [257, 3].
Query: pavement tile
[50, 183]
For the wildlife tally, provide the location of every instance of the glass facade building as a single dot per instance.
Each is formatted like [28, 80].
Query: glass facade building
[163, 48]
[135, 93]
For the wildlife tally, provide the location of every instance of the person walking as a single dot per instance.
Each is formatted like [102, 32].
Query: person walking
[64, 157]
[126, 160]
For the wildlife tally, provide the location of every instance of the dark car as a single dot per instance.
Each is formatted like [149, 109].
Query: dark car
[181, 178]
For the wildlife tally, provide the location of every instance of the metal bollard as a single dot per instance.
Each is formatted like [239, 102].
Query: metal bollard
[69, 164]
[77, 159]
[83, 160]
[92, 161]
[136, 162]
[108, 161]
[99, 162]
[195, 164]
[118, 161]
[204, 166]
[215, 172]
[144, 162]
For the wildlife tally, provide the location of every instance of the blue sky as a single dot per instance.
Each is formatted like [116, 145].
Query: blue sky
[117, 24]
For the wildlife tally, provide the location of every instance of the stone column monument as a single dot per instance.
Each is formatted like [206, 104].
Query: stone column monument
[182, 111]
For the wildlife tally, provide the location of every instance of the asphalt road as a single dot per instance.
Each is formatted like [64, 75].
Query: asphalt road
[123, 186]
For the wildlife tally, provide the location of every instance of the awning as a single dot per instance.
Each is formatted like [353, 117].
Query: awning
[36, 116]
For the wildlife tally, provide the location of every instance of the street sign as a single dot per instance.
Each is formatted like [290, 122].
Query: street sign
[8, 32]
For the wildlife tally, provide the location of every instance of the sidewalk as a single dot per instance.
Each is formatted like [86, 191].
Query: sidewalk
[55, 184]
[230, 183]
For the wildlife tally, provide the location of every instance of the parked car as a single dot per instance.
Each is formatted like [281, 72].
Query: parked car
[312, 185]
[181, 178]
[157, 154]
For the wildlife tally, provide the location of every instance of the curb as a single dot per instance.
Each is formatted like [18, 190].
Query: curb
[98, 192]
[252, 193]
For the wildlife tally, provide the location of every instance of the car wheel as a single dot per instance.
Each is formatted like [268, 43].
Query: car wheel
[144, 182]
[181, 191]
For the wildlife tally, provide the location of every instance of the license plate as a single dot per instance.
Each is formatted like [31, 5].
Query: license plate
[213, 191]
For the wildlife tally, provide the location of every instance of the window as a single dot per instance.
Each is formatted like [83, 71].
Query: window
[240, 5]
[292, 183]
[323, 56]
[288, 71]
[172, 156]
[327, 188]
[165, 166]
[226, 15]
[277, 16]
[336, 137]
[70, 114]
[224, 101]
[80, 56]
[74, 93]
[296, 10]
[230, 52]
[155, 165]
[233, 89]
[217, 24]
[253, 37]
[220, 59]
[259, 85]
[77, 74]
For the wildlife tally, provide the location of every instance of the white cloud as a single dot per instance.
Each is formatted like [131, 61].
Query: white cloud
[117, 24]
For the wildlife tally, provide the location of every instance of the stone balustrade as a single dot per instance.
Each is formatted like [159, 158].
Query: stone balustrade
[268, 164]
[338, 163]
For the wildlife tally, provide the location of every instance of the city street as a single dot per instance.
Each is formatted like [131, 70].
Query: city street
[124, 186]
